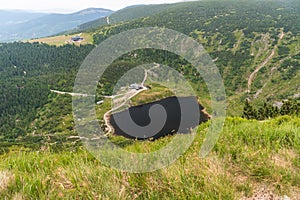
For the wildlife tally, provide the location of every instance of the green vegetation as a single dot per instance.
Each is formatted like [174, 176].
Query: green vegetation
[126, 14]
[248, 156]
[239, 40]
[290, 107]
[27, 73]
[156, 92]
[255, 45]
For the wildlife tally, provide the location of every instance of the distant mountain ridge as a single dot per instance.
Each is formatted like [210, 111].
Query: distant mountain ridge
[18, 25]
[9, 17]
[126, 14]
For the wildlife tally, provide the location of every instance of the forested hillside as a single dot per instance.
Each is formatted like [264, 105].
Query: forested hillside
[254, 44]
[256, 47]
[27, 73]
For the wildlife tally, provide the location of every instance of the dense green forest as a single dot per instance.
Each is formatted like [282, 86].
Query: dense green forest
[27, 73]
[268, 111]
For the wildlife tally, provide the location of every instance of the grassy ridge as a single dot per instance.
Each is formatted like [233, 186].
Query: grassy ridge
[248, 156]
[126, 14]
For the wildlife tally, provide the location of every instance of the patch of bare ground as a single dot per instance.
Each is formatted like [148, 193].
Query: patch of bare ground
[17, 196]
[284, 158]
[5, 178]
[265, 193]
[61, 180]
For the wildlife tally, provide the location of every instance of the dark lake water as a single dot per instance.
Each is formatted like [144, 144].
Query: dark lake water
[160, 118]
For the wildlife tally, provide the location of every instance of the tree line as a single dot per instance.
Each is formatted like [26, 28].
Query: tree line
[289, 107]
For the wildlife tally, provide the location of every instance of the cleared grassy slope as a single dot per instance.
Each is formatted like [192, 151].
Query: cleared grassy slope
[64, 39]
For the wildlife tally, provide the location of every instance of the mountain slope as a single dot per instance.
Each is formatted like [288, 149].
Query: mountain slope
[254, 41]
[10, 17]
[126, 14]
[255, 45]
[49, 24]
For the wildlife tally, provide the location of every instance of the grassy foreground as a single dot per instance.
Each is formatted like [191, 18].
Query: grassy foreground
[249, 157]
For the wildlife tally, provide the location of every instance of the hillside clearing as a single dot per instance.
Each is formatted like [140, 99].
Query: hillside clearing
[65, 39]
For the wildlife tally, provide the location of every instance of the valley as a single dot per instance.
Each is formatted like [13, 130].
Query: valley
[254, 44]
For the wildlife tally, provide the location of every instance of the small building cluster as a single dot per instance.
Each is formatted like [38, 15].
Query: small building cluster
[76, 38]
[136, 86]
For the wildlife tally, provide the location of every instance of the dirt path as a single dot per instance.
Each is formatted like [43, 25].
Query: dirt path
[252, 76]
[124, 98]
[72, 94]
[127, 96]
[106, 116]
[5, 179]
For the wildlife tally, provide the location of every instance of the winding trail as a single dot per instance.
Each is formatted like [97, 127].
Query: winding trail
[253, 74]
[107, 20]
[129, 95]
[126, 96]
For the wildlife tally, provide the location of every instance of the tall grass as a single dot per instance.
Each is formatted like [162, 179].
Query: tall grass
[248, 154]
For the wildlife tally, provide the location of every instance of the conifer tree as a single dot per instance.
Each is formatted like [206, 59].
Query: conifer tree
[249, 111]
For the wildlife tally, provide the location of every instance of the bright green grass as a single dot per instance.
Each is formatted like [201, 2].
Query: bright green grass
[157, 92]
[248, 154]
